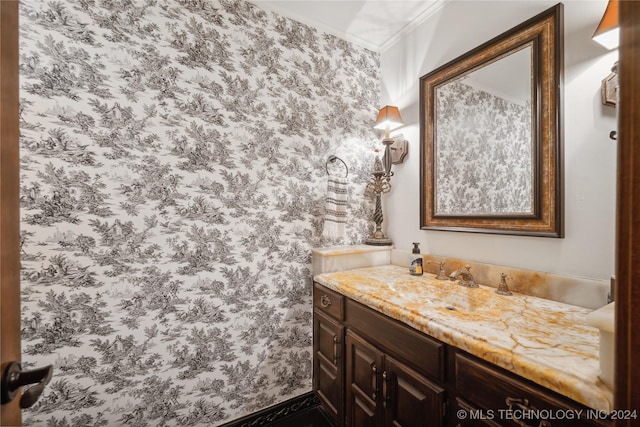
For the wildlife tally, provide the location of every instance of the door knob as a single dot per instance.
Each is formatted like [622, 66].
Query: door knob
[13, 377]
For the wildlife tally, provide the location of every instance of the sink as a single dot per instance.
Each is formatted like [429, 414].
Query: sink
[604, 319]
[444, 294]
[472, 299]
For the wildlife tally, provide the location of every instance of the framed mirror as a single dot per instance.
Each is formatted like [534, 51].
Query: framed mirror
[490, 124]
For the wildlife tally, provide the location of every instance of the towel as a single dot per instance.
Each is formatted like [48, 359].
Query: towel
[335, 217]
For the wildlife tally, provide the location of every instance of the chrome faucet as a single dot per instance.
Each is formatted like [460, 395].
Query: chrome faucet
[467, 278]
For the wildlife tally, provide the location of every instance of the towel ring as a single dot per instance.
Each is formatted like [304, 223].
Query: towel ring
[332, 159]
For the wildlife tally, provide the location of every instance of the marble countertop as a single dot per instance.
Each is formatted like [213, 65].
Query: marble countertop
[545, 341]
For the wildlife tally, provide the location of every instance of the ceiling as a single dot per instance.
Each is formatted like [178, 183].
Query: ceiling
[374, 24]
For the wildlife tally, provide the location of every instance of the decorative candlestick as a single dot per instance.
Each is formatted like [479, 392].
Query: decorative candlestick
[378, 185]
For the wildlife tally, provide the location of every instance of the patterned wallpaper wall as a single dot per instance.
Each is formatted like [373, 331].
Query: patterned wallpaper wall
[173, 178]
[484, 162]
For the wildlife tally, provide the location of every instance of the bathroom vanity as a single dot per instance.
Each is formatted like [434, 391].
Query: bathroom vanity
[395, 349]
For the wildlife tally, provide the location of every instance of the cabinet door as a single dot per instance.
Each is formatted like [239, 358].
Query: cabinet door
[328, 363]
[364, 376]
[409, 399]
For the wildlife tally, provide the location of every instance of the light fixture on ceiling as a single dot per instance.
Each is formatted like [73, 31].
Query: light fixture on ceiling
[608, 35]
[608, 32]
[388, 120]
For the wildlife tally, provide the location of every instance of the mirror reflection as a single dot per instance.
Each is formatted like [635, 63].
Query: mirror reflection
[490, 123]
[484, 158]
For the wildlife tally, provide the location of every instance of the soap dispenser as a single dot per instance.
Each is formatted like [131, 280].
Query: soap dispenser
[415, 261]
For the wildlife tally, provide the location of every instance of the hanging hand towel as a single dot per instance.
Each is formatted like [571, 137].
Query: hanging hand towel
[335, 217]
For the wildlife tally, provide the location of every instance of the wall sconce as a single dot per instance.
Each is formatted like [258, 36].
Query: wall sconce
[395, 148]
[608, 35]
[388, 119]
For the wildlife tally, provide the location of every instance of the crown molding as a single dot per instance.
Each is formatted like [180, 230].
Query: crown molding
[422, 17]
[306, 20]
[348, 36]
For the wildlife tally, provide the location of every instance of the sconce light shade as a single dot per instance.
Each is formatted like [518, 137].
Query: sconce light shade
[388, 119]
[608, 34]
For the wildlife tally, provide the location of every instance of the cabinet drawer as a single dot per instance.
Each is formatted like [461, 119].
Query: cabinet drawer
[328, 301]
[507, 396]
[423, 353]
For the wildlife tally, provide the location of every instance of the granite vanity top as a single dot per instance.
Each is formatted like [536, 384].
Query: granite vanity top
[545, 341]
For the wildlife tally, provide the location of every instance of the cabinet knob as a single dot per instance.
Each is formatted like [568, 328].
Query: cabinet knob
[325, 301]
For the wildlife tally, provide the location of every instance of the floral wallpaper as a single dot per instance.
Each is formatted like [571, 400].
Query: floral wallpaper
[173, 177]
[484, 158]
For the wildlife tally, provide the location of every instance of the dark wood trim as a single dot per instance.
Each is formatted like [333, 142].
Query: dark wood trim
[9, 198]
[277, 412]
[627, 376]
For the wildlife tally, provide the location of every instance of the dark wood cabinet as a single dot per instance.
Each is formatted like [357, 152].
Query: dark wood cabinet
[364, 368]
[328, 378]
[382, 391]
[489, 394]
[419, 351]
[328, 349]
[372, 370]
[410, 398]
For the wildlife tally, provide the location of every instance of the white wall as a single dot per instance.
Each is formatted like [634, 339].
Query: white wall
[587, 249]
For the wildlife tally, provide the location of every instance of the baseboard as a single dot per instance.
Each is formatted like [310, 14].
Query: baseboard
[277, 412]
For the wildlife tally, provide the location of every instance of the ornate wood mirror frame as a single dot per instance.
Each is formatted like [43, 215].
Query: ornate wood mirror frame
[477, 179]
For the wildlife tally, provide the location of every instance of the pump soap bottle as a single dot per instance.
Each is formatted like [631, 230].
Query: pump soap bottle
[415, 261]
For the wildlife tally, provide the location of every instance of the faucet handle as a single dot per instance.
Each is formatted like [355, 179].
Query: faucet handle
[503, 289]
[441, 274]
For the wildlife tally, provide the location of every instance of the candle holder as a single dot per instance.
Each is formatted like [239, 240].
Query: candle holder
[378, 185]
